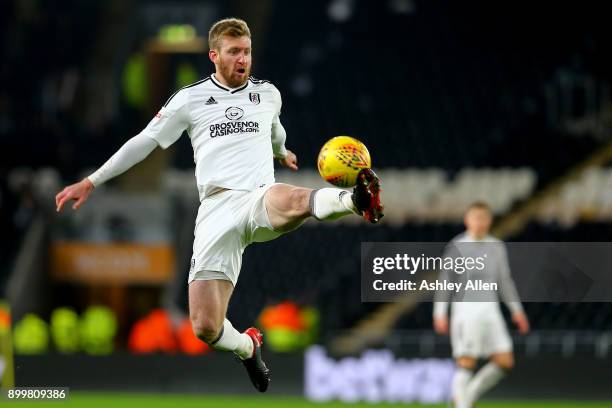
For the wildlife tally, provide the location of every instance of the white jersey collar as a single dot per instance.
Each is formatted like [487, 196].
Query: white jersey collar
[225, 88]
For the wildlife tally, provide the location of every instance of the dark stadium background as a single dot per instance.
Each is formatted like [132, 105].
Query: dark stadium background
[507, 101]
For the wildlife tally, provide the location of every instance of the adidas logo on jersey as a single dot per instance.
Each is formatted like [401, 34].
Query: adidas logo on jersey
[211, 101]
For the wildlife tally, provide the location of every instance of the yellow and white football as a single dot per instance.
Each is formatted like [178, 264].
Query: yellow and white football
[341, 159]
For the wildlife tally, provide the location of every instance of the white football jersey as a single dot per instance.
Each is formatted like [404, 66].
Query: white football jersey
[498, 270]
[230, 131]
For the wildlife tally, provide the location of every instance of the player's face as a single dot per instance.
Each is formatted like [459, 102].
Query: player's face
[233, 60]
[478, 222]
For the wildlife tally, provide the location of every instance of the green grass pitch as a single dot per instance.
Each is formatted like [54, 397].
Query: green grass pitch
[127, 400]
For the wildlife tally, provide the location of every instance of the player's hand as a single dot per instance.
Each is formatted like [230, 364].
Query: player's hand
[77, 192]
[521, 322]
[441, 325]
[289, 161]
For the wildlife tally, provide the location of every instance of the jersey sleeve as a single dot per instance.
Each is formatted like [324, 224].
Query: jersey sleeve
[279, 104]
[508, 290]
[279, 136]
[133, 151]
[171, 120]
[442, 298]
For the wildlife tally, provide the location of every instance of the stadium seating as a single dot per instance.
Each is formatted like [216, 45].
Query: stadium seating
[587, 198]
[448, 115]
[451, 106]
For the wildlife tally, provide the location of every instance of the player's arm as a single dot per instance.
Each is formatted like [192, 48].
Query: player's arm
[163, 130]
[285, 157]
[509, 293]
[442, 298]
[440, 316]
[132, 152]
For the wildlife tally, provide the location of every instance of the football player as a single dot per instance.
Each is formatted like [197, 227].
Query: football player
[233, 121]
[477, 327]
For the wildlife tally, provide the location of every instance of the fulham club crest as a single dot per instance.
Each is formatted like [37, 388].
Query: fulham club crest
[254, 97]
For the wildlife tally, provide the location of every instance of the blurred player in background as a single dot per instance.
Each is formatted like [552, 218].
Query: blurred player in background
[233, 122]
[477, 328]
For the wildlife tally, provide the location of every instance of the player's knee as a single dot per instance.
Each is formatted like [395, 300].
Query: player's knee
[505, 362]
[206, 329]
[467, 363]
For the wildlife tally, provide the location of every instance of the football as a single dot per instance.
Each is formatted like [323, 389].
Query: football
[341, 159]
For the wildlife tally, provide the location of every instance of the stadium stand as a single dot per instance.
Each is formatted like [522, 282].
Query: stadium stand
[449, 116]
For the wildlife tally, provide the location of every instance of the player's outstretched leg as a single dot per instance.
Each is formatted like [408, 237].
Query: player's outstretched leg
[332, 203]
[208, 300]
[288, 206]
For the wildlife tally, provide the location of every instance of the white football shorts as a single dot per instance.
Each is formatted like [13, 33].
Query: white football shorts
[479, 337]
[226, 224]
